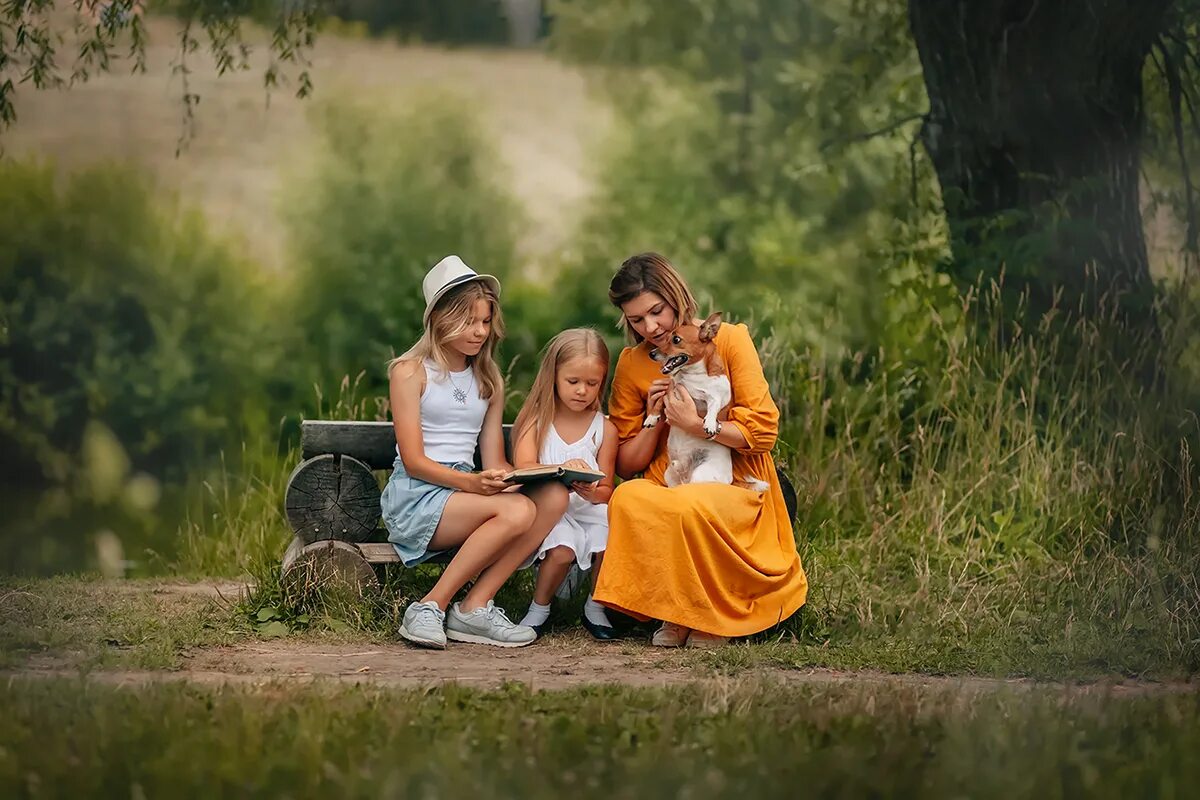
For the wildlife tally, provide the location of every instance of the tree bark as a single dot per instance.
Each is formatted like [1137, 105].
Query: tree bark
[1034, 130]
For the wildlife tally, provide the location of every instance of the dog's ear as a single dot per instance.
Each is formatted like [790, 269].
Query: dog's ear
[708, 328]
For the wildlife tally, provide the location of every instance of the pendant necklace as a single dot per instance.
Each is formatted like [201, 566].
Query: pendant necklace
[460, 395]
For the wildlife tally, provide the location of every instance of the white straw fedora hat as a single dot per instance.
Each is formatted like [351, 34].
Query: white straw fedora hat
[447, 274]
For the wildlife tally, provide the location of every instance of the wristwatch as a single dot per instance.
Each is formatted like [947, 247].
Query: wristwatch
[717, 432]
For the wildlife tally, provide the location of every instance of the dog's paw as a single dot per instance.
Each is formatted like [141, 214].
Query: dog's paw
[650, 421]
[753, 484]
[710, 429]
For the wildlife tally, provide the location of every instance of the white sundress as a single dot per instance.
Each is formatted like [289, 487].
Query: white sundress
[584, 526]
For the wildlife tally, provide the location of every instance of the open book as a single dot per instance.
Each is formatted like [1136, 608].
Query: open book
[567, 475]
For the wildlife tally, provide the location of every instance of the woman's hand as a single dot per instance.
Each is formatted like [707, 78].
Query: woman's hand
[489, 481]
[682, 414]
[656, 396]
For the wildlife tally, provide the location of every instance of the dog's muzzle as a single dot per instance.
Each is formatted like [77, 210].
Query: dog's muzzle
[673, 363]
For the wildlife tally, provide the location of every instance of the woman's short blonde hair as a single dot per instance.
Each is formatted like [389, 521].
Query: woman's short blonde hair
[650, 272]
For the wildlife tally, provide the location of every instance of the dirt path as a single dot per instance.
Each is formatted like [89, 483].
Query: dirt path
[65, 629]
[561, 662]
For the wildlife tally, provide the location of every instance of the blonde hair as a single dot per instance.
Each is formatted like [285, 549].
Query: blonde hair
[650, 272]
[450, 318]
[538, 411]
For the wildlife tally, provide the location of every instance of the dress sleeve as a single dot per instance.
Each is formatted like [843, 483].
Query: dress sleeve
[753, 411]
[626, 402]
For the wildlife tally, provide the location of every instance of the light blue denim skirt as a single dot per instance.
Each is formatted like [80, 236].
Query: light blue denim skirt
[412, 509]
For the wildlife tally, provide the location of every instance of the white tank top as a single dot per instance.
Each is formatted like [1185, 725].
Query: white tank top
[452, 415]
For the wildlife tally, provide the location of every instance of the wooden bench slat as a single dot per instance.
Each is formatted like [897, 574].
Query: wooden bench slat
[384, 553]
[373, 443]
[379, 553]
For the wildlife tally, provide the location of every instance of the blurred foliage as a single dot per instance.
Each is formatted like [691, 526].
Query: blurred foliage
[132, 346]
[389, 194]
[448, 21]
[121, 309]
[1171, 141]
[746, 155]
[111, 33]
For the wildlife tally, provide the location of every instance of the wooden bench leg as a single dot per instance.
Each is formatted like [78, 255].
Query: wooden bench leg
[328, 565]
[332, 497]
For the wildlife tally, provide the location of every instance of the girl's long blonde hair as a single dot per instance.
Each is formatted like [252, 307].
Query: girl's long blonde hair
[450, 318]
[538, 411]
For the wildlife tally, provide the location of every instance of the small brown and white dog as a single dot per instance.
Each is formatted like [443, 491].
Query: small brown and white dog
[691, 360]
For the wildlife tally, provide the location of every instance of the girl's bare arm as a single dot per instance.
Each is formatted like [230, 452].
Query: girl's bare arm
[491, 438]
[525, 449]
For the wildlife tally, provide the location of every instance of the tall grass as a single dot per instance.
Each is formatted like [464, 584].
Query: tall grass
[234, 525]
[235, 518]
[1023, 500]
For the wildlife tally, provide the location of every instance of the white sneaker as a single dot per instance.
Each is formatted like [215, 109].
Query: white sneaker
[670, 635]
[424, 624]
[487, 625]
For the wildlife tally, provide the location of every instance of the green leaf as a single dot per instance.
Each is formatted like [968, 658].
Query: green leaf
[268, 613]
[273, 630]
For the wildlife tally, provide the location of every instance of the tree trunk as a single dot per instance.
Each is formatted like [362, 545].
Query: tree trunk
[524, 21]
[1034, 130]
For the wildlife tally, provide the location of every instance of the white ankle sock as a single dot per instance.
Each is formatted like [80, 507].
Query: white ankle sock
[595, 613]
[536, 615]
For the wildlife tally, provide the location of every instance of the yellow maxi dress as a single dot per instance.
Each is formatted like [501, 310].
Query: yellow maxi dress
[715, 558]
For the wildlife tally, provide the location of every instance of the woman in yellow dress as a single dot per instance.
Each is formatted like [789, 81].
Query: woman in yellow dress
[709, 560]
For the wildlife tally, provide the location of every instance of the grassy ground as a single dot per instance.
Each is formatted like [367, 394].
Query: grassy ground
[82, 623]
[719, 739]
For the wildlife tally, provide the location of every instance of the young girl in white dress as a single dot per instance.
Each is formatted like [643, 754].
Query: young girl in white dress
[561, 423]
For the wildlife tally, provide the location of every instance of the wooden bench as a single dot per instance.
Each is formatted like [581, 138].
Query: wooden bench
[332, 500]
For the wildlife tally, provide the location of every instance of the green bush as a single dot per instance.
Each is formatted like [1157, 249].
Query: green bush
[131, 341]
[389, 195]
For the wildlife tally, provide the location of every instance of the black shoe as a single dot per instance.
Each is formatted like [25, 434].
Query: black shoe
[604, 633]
